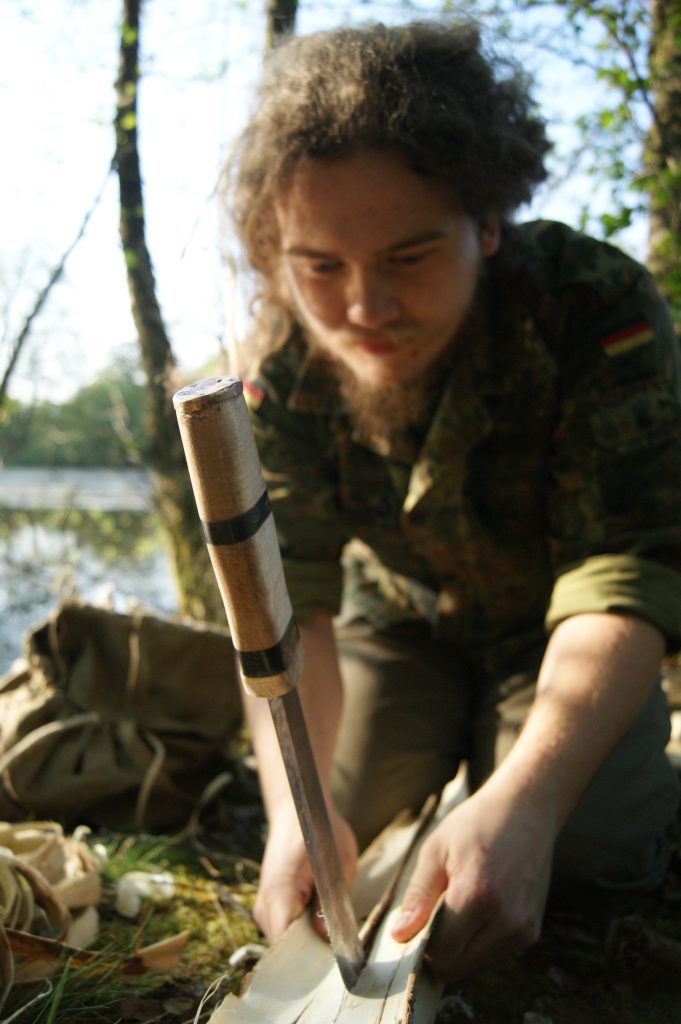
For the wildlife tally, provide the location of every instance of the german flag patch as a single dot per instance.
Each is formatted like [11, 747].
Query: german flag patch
[627, 338]
[252, 394]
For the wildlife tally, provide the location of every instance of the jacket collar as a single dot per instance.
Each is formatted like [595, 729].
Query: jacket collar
[484, 366]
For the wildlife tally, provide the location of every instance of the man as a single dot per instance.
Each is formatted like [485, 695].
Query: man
[470, 434]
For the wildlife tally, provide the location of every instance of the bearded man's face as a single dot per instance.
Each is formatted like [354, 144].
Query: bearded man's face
[382, 267]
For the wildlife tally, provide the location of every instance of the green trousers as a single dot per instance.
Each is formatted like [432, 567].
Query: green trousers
[414, 710]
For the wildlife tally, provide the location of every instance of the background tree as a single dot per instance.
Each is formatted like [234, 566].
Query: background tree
[663, 149]
[100, 426]
[198, 592]
[631, 132]
[174, 497]
[280, 20]
[639, 57]
[630, 142]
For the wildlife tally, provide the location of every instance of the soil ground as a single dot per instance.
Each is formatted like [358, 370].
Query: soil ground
[590, 967]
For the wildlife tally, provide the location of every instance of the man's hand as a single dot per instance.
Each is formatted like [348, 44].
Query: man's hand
[286, 882]
[491, 857]
[491, 861]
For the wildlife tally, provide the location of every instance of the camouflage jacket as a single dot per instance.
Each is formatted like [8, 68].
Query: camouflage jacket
[548, 481]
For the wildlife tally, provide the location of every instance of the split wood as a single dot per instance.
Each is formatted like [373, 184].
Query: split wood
[297, 980]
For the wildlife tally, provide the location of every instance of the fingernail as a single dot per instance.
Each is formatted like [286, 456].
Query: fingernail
[403, 921]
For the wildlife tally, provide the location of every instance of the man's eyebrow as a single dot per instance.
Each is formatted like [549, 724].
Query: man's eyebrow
[406, 243]
[304, 250]
[420, 239]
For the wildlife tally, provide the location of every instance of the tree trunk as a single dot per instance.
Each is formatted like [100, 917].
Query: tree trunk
[663, 151]
[198, 592]
[281, 18]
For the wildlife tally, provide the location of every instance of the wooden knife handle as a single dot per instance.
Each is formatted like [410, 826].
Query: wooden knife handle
[238, 525]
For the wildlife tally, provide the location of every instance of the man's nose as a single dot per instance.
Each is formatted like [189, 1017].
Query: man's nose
[370, 302]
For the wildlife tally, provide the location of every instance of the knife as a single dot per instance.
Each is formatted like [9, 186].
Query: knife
[238, 526]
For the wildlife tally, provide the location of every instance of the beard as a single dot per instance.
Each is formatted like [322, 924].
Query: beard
[386, 410]
[390, 409]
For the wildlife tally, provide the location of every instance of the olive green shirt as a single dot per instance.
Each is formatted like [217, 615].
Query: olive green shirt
[547, 482]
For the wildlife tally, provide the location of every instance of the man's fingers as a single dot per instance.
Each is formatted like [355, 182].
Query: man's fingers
[277, 907]
[272, 917]
[426, 886]
[464, 940]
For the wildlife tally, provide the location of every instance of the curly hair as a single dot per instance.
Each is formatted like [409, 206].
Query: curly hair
[425, 91]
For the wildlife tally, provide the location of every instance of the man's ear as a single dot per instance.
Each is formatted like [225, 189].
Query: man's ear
[490, 233]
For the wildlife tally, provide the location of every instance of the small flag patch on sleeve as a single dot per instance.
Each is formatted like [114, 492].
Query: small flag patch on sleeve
[252, 394]
[627, 338]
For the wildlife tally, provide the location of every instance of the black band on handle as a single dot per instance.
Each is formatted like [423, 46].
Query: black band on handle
[275, 660]
[243, 527]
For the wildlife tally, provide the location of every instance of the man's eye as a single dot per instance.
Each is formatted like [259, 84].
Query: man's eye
[408, 259]
[324, 266]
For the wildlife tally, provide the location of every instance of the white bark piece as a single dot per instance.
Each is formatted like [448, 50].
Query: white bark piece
[297, 980]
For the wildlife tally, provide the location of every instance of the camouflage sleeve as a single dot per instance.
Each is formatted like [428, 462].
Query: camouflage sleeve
[293, 450]
[615, 508]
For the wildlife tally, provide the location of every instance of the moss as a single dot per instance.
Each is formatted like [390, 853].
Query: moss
[213, 905]
[214, 910]
[587, 968]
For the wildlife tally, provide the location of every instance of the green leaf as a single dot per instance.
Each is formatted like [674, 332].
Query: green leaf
[614, 222]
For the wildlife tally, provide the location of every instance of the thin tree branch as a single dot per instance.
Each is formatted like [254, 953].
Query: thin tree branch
[44, 294]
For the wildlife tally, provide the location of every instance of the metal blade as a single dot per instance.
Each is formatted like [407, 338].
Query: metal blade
[334, 897]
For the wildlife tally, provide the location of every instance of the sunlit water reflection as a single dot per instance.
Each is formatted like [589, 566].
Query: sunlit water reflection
[102, 543]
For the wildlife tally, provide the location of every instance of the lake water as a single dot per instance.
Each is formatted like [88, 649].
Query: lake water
[77, 532]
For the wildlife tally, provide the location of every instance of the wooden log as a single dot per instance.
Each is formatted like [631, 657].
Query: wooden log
[297, 980]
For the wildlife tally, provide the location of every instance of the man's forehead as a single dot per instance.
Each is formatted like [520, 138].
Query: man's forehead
[368, 198]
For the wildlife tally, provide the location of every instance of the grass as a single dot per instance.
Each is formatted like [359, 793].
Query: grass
[588, 968]
[215, 879]
[89, 994]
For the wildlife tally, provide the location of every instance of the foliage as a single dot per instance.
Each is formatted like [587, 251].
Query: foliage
[629, 133]
[609, 41]
[114, 538]
[635, 136]
[102, 425]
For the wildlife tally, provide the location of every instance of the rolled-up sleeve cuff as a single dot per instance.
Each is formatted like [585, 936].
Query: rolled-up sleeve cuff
[314, 587]
[620, 583]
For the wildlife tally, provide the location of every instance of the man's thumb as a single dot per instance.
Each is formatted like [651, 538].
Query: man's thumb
[275, 909]
[427, 884]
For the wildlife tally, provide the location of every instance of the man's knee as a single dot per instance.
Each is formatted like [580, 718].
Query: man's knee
[619, 835]
[404, 715]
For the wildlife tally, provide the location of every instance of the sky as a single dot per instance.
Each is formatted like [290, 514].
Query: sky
[200, 64]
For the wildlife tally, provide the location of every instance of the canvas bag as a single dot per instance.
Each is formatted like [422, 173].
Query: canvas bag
[115, 719]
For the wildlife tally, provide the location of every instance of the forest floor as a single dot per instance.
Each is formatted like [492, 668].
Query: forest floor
[589, 967]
